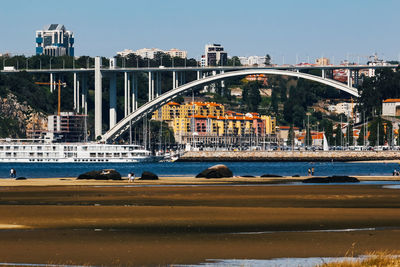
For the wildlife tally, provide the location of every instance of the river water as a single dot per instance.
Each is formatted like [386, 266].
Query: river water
[45, 170]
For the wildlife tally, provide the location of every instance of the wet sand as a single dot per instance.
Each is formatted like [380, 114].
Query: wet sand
[78, 223]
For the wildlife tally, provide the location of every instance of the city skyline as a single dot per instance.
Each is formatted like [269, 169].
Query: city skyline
[290, 31]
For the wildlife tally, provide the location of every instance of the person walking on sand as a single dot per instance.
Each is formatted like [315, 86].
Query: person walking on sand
[13, 173]
[131, 177]
[312, 171]
[309, 172]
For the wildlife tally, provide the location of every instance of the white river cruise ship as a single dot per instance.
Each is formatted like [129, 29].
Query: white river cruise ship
[72, 152]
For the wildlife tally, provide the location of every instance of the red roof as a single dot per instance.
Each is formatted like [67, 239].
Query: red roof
[173, 104]
[391, 100]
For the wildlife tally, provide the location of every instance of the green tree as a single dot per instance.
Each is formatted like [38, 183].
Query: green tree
[274, 101]
[338, 135]
[327, 127]
[377, 132]
[308, 138]
[361, 137]
[267, 60]
[251, 96]
[291, 135]
[234, 61]
[349, 134]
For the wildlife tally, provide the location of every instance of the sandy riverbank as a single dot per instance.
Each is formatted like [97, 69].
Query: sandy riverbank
[171, 180]
[69, 222]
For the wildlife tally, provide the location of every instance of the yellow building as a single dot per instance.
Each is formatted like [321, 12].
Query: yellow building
[214, 120]
[168, 112]
[270, 124]
[173, 110]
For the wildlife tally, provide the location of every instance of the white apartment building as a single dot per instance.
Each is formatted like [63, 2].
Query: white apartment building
[252, 60]
[215, 55]
[176, 53]
[125, 52]
[147, 52]
[151, 52]
[391, 107]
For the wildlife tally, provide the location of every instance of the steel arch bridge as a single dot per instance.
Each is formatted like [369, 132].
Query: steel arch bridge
[151, 106]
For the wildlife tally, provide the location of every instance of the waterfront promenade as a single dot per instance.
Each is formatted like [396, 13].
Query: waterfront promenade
[291, 156]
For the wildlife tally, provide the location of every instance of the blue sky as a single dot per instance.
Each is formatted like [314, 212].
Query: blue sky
[337, 29]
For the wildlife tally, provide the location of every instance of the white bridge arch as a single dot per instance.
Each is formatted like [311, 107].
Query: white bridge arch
[151, 106]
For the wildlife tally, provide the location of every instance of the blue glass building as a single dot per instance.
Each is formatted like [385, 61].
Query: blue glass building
[55, 40]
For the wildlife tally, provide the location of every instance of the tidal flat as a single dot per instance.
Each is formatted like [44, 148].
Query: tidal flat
[88, 224]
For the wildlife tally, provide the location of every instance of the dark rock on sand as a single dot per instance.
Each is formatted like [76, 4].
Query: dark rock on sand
[216, 171]
[270, 175]
[296, 175]
[148, 176]
[248, 176]
[332, 179]
[21, 178]
[108, 174]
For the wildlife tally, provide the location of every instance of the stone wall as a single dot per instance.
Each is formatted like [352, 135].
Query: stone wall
[289, 155]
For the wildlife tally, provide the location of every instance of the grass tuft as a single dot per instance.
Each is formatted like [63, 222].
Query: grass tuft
[377, 259]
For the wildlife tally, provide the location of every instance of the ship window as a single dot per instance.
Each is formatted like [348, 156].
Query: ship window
[92, 155]
[124, 155]
[1, 148]
[40, 154]
[108, 154]
[8, 147]
[116, 155]
[100, 154]
[8, 154]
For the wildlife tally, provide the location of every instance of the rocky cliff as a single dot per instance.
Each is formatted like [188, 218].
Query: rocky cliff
[19, 120]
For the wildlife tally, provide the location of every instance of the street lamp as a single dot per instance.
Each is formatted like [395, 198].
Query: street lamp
[73, 63]
[63, 64]
[40, 63]
[87, 63]
[50, 62]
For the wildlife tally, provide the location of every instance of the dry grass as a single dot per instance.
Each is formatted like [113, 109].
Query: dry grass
[378, 259]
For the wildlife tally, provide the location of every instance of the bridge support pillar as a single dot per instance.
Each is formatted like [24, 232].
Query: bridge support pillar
[84, 94]
[113, 99]
[349, 78]
[150, 82]
[158, 84]
[98, 116]
[128, 102]
[76, 92]
[51, 82]
[134, 92]
[153, 80]
[126, 93]
[223, 83]
[356, 78]
[173, 79]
